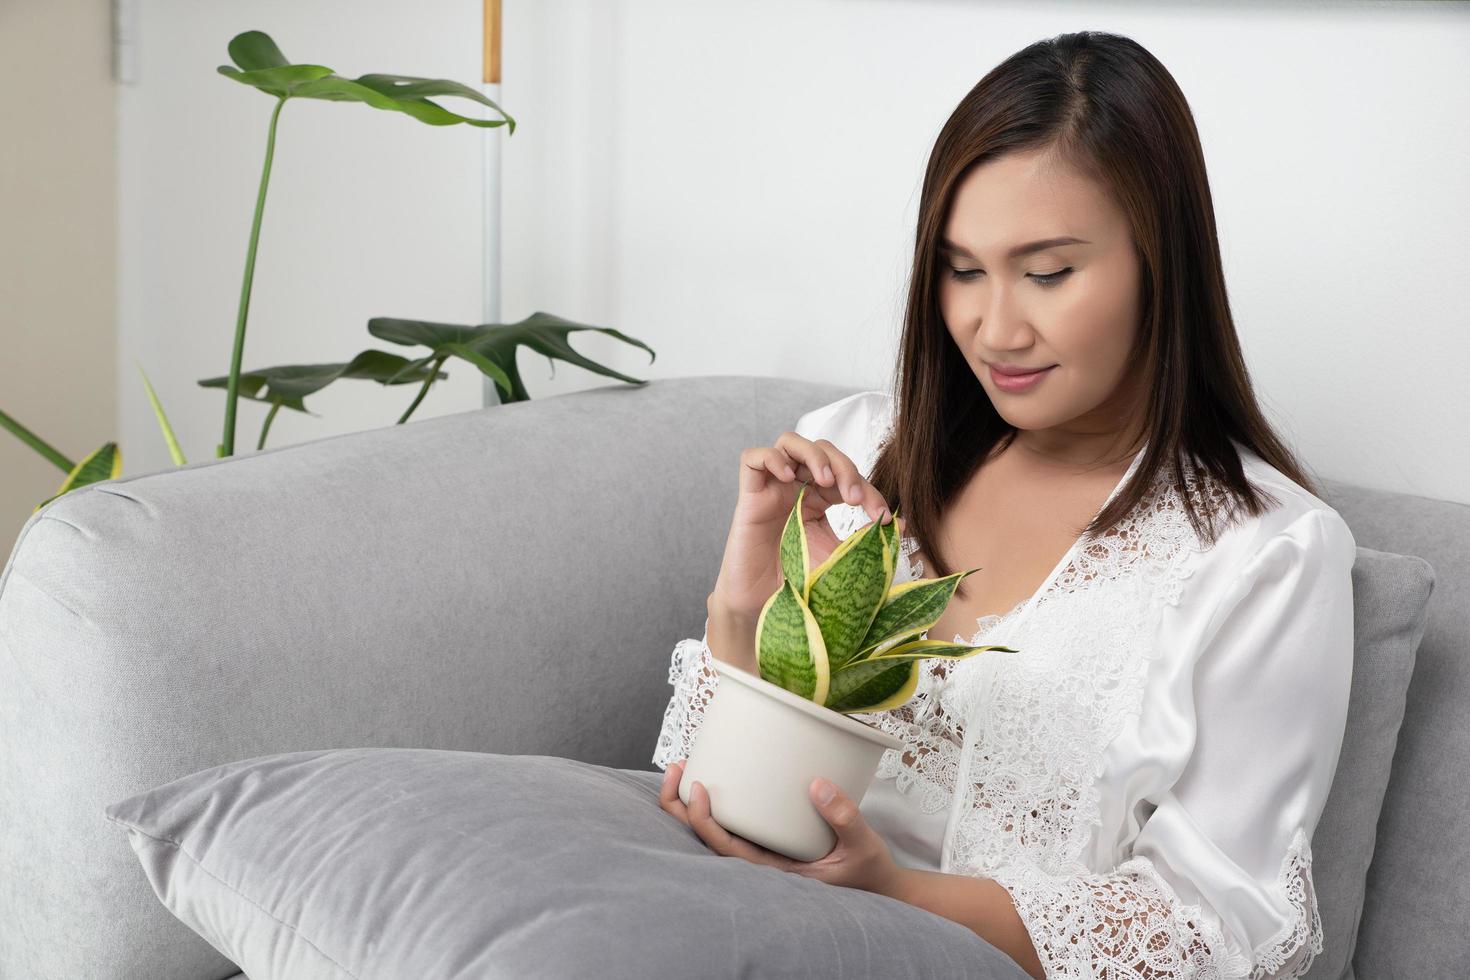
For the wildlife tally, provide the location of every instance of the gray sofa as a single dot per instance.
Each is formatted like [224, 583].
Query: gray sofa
[392, 588]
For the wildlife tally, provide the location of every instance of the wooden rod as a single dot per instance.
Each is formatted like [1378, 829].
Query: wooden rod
[492, 42]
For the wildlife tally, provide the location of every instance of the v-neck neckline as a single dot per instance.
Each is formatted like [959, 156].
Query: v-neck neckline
[1023, 608]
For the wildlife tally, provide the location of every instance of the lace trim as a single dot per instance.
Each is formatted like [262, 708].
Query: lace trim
[1290, 952]
[1127, 924]
[695, 680]
[1051, 711]
[1130, 924]
[1146, 550]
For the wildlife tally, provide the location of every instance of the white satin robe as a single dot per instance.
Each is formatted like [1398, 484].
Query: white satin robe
[1144, 775]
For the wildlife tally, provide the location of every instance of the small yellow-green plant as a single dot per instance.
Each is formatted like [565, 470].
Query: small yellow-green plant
[842, 634]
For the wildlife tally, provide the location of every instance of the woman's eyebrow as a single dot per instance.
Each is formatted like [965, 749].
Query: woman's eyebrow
[945, 245]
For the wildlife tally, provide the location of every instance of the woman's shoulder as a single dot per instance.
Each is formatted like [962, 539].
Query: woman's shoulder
[854, 424]
[1291, 510]
[869, 405]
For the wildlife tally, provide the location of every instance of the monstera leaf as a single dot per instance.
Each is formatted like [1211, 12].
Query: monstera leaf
[491, 347]
[259, 63]
[288, 385]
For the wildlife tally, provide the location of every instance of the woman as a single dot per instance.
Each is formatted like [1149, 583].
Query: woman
[1132, 793]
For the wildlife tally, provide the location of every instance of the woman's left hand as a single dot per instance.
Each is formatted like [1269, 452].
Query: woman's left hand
[860, 859]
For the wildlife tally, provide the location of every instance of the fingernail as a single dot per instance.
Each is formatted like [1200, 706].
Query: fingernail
[825, 791]
[826, 472]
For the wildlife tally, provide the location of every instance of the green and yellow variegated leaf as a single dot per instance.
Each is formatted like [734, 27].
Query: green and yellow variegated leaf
[795, 552]
[789, 648]
[842, 548]
[890, 530]
[849, 588]
[876, 687]
[878, 683]
[105, 463]
[924, 649]
[910, 609]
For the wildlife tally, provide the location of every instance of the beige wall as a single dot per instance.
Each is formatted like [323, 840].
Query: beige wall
[57, 242]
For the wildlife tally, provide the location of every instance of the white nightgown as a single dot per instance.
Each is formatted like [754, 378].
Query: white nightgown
[1144, 775]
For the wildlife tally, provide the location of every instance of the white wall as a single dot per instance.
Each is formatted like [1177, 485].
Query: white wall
[369, 213]
[736, 185]
[57, 264]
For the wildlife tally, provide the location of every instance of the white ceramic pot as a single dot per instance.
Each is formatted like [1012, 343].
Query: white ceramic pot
[757, 752]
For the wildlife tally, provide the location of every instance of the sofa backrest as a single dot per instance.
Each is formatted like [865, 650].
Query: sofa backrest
[511, 579]
[1417, 902]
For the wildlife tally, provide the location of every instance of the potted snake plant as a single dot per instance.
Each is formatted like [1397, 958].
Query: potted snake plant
[836, 640]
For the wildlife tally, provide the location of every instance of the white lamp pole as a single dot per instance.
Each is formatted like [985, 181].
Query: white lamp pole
[490, 266]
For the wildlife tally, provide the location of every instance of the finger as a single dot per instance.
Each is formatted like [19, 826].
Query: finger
[668, 796]
[818, 498]
[668, 791]
[812, 463]
[855, 489]
[757, 468]
[720, 840]
[841, 812]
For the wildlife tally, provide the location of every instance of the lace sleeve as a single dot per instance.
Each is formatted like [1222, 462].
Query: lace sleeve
[1218, 882]
[694, 680]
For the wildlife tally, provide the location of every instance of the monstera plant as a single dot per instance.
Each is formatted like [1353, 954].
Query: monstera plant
[832, 641]
[489, 348]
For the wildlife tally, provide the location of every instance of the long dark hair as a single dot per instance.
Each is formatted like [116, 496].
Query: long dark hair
[1104, 105]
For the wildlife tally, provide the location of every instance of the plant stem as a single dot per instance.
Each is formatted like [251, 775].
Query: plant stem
[433, 373]
[266, 427]
[232, 392]
[36, 442]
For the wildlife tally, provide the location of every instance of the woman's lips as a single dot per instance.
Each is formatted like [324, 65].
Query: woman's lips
[1017, 382]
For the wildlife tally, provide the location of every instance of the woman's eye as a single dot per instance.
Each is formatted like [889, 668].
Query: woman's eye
[1043, 279]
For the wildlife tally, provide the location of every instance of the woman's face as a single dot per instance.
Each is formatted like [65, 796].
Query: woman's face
[1073, 305]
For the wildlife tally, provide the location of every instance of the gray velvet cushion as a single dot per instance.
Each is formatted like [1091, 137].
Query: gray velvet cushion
[389, 863]
[1390, 608]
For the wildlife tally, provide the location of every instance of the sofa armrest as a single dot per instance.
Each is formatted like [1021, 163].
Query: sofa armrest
[510, 580]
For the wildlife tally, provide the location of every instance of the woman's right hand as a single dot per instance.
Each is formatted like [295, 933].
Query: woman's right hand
[770, 478]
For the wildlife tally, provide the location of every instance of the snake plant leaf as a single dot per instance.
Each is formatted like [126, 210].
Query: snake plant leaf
[789, 648]
[795, 551]
[869, 688]
[175, 452]
[910, 609]
[104, 463]
[848, 588]
[879, 682]
[924, 649]
[259, 63]
[542, 332]
[289, 384]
